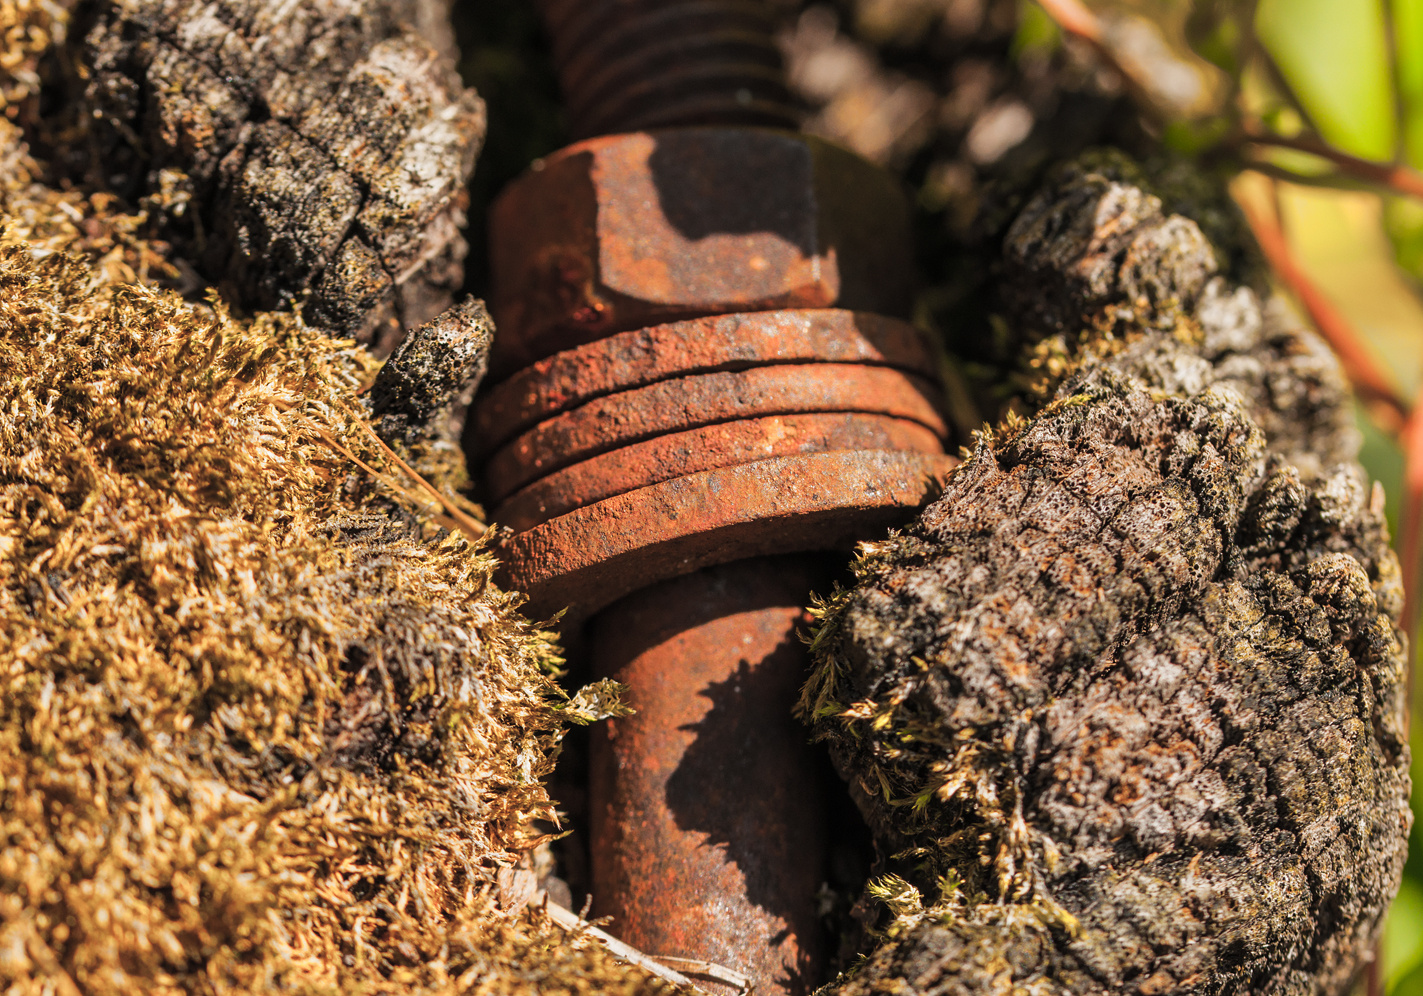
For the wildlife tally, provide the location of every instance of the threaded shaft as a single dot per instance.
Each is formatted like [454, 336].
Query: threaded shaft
[629, 65]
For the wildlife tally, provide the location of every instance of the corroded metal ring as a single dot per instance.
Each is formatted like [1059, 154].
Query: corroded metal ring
[725, 444]
[689, 402]
[593, 556]
[702, 345]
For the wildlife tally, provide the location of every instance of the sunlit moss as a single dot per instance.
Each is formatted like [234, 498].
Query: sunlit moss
[263, 725]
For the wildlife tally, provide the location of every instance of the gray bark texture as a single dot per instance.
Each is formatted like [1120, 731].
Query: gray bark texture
[419, 399]
[432, 375]
[314, 147]
[1126, 704]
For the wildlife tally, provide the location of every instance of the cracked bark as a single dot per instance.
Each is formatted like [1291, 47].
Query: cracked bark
[310, 151]
[1128, 699]
[419, 399]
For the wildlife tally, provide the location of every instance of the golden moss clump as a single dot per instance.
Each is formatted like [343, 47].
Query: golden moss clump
[262, 725]
[28, 30]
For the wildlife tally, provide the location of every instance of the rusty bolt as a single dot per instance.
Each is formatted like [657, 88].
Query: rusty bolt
[695, 758]
[626, 231]
[631, 65]
[694, 367]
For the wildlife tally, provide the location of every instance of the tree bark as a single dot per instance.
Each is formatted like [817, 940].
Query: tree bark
[1127, 701]
[311, 152]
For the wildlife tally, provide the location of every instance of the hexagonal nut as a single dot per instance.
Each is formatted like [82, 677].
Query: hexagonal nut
[624, 231]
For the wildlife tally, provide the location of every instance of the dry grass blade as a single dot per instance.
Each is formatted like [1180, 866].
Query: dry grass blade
[574, 923]
[452, 518]
[717, 973]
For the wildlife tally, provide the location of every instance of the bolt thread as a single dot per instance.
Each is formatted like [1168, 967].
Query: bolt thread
[630, 65]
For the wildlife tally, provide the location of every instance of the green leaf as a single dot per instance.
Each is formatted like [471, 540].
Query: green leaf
[1383, 462]
[1214, 29]
[1189, 138]
[1408, 39]
[1334, 56]
[1037, 33]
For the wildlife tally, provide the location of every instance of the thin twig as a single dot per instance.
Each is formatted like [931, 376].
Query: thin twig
[1399, 179]
[710, 970]
[1333, 180]
[335, 444]
[572, 922]
[1412, 526]
[1373, 972]
[1073, 17]
[453, 517]
[468, 525]
[1368, 380]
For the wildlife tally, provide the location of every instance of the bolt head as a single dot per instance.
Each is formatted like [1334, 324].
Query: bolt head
[625, 231]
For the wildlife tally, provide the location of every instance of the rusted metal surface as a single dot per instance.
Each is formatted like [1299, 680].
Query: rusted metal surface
[592, 556]
[627, 65]
[625, 231]
[725, 444]
[703, 845]
[695, 371]
[689, 402]
[703, 345]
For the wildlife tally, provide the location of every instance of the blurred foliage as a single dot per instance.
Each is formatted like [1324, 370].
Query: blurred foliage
[1334, 58]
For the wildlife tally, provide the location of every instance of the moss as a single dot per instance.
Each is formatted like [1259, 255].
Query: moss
[257, 732]
[29, 29]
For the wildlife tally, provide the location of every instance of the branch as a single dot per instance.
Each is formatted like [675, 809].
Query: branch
[1074, 18]
[1411, 540]
[1398, 179]
[1373, 387]
[1321, 181]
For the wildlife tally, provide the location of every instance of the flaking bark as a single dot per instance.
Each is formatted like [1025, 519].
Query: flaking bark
[419, 399]
[432, 375]
[1127, 700]
[318, 147]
